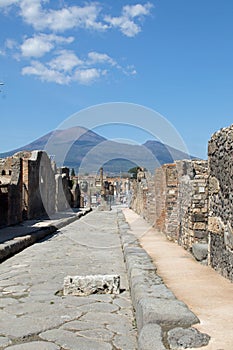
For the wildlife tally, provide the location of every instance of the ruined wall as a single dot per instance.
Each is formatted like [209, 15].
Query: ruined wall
[38, 184]
[10, 191]
[180, 204]
[150, 198]
[192, 202]
[171, 219]
[76, 193]
[67, 190]
[30, 187]
[220, 152]
[160, 199]
[166, 201]
[143, 196]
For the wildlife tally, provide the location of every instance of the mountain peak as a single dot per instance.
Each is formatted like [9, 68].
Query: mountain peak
[82, 144]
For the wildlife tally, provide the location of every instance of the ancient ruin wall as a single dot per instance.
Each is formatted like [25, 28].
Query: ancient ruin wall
[220, 224]
[181, 201]
[143, 196]
[171, 220]
[192, 202]
[166, 215]
[38, 184]
[10, 191]
[160, 199]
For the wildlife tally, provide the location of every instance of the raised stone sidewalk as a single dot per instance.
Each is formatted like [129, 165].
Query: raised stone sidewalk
[35, 314]
[163, 322]
[14, 239]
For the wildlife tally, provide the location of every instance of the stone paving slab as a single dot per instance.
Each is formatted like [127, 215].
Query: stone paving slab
[14, 239]
[34, 313]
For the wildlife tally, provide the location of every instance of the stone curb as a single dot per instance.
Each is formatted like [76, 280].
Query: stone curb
[157, 310]
[17, 244]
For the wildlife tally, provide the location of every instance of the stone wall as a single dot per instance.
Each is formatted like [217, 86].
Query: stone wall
[31, 186]
[38, 184]
[220, 152]
[171, 206]
[143, 195]
[160, 198]
[180, 204]
[166, 192]
[67, 192]
[10, 191]
[192, 202]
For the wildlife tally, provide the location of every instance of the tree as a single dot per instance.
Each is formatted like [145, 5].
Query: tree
[72, 172]
[133, 172]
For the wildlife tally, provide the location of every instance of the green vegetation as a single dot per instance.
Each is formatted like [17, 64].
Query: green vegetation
[133, 171]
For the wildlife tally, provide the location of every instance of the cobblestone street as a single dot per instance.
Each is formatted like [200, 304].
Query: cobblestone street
[33, 312]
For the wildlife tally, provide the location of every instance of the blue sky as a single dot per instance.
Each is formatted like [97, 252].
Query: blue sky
[59, 57]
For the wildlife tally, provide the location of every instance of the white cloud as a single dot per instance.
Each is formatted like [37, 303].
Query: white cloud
[96, 57]
[66, 67]
[127, 26]
[126, 22]
[41, 44]
[45, 74]
[87, 76]
[89, 16]
[5, 3]
[137, 10]
[10, 44]
[36, 46]
[65, 61]
[63, 19]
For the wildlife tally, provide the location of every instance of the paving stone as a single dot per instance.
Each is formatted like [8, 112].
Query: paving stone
[98, 334]
[126, 312]
[4, 341]
[150, 338]
[106, 298]
[35, 345]
[121, 328]
[81, 326]
[27, 325]
[122, 302]
[16, 289]
[98, 307]
[180, 338]
[125, 342]
[8, 301]
[71, 341]
[45, 309]
[103, 318]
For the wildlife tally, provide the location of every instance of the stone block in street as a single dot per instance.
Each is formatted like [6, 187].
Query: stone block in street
[165, 312]
[180, 338]
[91, 284]
[150, 338]
[200, 251]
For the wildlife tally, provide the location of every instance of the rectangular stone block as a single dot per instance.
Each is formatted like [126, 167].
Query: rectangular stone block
[91, 284]
[164, 312]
